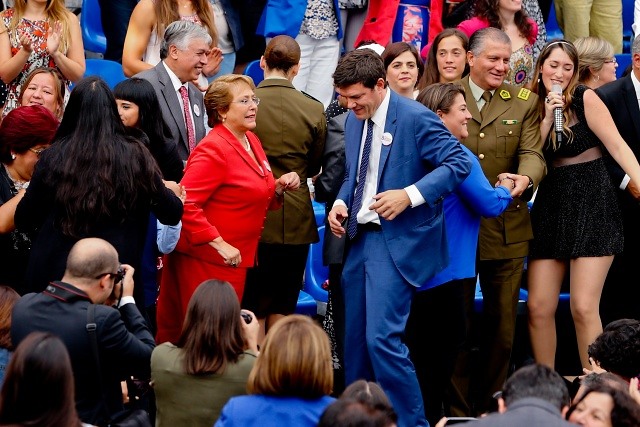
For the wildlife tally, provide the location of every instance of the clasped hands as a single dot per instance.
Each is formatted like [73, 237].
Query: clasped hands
[287, 182]
[388, 204]
[516, 184]
[230, 254]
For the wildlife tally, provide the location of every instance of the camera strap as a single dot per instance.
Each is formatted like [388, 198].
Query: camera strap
[59, 291]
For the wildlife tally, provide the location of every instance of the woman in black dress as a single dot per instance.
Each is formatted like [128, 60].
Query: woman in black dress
[576, 219]
[94, 181]
[24, 135]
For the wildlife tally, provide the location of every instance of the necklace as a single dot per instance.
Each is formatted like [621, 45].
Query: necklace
[18, 184]
[246, 141]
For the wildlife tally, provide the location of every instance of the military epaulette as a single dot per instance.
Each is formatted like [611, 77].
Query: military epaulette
[504, 94]
[524, 94]
[309, 96]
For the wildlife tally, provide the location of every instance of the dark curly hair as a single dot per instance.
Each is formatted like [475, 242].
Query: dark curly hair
[488, 9]
[625, 411]
[617, 348]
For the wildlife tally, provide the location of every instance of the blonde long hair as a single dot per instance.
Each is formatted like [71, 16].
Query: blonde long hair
[538, 87]
[56, 11]
[167, 12]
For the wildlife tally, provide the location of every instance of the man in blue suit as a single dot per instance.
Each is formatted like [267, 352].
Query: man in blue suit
[400, 164]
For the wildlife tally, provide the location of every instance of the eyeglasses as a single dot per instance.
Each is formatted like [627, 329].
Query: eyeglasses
[118, 275]
[612, 60]
[37, 151]
[247, 101]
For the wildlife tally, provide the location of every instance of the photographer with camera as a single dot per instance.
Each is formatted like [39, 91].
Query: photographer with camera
[95, 296]
[211, 361]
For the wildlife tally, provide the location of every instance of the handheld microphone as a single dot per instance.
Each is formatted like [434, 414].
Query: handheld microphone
[558, 119]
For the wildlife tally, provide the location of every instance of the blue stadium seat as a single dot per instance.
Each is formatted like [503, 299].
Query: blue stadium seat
[92, 33]
[553, 29]
[315, 274]
[254, 71]
[306, 304]
[624, 60]
[109, 71]
[627, 21]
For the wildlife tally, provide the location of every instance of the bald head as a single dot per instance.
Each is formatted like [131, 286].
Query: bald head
[90, 258]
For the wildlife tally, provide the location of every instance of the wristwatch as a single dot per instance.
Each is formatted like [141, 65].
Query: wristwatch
[530, 183]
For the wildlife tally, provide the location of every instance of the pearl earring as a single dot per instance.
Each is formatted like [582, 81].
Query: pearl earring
[13, 156]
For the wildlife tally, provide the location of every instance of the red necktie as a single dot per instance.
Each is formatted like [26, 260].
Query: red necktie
[191, 135]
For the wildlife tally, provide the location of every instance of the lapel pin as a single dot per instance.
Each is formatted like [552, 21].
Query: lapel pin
[196, 110]
[504, 94]
[387, 138]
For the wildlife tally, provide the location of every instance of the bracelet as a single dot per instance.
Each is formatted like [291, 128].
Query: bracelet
[513, 182]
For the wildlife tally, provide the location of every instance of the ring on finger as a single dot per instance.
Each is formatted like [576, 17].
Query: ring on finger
[547, 99]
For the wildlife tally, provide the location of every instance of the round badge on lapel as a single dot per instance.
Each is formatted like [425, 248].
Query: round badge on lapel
[196, 110]
[387, 138]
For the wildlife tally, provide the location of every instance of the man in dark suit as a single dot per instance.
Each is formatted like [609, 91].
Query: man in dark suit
[534, 396]
[400, 164]
[184, 53]
[620, 294]
[504, 133]
[93, 276]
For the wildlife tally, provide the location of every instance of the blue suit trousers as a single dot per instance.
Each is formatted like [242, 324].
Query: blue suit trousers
[377, 302]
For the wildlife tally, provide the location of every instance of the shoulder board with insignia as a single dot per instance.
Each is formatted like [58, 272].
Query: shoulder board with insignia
[524, 94]
[310, 97]
[504, 94]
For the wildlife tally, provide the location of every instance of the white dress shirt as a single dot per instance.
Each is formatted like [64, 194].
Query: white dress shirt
[379, 120]
[177, 84]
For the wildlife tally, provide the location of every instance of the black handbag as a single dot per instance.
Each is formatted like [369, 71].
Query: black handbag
[128, 417]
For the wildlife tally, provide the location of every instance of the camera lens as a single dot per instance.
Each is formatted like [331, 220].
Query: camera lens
[246, 316]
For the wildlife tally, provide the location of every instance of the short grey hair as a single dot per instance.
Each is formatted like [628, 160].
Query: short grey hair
[479, 38]
[181, 34]
[635, 47]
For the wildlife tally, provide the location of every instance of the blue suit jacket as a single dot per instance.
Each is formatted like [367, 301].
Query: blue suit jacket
[423, 152]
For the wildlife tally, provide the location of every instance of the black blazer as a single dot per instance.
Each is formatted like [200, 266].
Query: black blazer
[620, 98]
[328, 184]
[124, 342]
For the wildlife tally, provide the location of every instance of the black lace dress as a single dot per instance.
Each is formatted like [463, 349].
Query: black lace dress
[15, 246]
[576, 213]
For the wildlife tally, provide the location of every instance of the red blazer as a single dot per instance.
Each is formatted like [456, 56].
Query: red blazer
[228, 195]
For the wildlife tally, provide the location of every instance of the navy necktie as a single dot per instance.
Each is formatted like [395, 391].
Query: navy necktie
[352, 225]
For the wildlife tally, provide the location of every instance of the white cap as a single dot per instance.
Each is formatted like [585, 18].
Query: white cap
[374, 47]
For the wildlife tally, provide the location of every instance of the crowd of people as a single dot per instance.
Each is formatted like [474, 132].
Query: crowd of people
[155, 235]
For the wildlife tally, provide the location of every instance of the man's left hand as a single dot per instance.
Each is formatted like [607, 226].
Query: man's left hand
[389, 204]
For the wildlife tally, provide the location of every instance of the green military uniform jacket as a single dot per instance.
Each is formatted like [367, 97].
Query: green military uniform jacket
[507, 140]
[292, 128]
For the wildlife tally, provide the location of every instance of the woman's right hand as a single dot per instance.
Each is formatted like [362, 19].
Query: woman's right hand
[251, 331]
[230, 254]
[552, 101]
[25, 42]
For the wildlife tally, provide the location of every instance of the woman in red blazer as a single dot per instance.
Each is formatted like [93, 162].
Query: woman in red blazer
[229, 187]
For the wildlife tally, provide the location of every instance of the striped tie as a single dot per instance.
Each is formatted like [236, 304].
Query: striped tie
[352, 226]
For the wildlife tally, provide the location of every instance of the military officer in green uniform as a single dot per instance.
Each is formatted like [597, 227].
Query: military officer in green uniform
[504, 133]
[292, 128]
